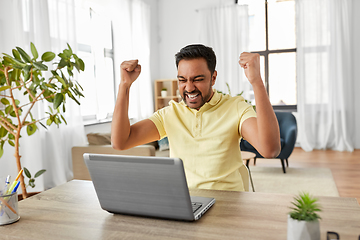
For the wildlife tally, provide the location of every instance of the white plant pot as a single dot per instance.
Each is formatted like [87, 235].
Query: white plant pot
[163, 93]
[303, 230]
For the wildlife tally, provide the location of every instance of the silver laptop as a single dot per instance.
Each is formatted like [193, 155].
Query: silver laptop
[145, 186]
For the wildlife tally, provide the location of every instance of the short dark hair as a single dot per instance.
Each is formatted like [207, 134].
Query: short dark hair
[197, 51]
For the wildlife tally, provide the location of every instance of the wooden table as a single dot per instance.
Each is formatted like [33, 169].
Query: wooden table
[72, 211]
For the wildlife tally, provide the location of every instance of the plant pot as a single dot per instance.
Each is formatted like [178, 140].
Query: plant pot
[30, 194]
[303, 230]
[163, 93]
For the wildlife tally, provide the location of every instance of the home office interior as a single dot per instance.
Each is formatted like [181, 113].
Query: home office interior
[308, 58]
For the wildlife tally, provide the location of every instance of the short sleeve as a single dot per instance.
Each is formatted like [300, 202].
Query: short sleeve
[245, 112]
[158, 119]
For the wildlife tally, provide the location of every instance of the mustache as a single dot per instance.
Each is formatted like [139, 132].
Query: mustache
[193, 92]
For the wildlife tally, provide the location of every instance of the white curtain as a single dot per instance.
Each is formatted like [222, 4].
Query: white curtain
[132, 41]
[324, 75]
[49, 24]
[226, 30]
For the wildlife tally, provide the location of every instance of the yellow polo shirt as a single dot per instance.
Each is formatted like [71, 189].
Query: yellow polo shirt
[207, 140]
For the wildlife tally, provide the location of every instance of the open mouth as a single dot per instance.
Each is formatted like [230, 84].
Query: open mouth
[192, 96]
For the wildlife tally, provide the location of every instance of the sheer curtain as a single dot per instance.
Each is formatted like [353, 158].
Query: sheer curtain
[49, 24]
[325, 83]
[226, 30]
[132, 41]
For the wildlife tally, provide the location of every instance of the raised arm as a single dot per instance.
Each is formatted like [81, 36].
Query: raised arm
[261, 132]
[124, 135]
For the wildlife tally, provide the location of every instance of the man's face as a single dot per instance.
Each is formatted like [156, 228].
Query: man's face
[195, 82]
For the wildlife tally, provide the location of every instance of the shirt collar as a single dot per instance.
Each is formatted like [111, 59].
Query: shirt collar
[215, 98]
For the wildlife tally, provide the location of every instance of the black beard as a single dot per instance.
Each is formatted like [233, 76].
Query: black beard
[203, 101]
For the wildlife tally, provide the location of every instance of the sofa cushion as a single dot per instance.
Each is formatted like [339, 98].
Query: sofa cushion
[105, 139]
[99, 138]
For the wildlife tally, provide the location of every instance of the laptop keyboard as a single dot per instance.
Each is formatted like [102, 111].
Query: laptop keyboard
[196, 206]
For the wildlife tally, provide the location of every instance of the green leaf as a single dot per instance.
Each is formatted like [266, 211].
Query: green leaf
[39, 173]
[17, 73]
[62, 63]
[59, 98]
[61, 80]
[49, 122]
[54, 72]
[62, 56]
[48, 56]
[69, 48]
[27, 172]
[67, 53]
[57, 120]
[26, 76]
[31, 129]
[24, 55]
[4, 88]
[305, 208]
[78, 92]
[11, 143]
[5, 101]
[27, 68]
[62, 117]
[8, 109]
[16, 54]
[2, 80]
[1, 152]
[40, 66]
[11, 136]
[73, 98]
[70, 72]
[32, 183]
[13, 114]
[31, 116]
[16, 63]
[78, 84]
[81, 64]
[3, 132]
[34, 51]
[43, 125]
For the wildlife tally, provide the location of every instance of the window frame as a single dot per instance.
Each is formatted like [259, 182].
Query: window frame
[265, 53]
[108, 53]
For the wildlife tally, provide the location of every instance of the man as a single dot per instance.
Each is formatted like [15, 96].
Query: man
[204, 129]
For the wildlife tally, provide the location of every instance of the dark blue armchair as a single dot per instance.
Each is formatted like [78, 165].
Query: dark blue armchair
[288, 133]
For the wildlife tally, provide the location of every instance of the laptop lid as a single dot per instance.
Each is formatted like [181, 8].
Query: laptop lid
[146, 186]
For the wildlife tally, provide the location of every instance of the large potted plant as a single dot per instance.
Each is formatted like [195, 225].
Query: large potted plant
[20, 75]
[303, 220]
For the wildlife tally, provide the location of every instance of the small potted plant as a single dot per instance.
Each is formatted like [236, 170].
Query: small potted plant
[163, 92]
[303, 221]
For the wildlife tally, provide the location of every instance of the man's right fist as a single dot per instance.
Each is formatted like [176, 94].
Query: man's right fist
[130, 71]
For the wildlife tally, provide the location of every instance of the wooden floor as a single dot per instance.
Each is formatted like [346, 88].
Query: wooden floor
[345, 167]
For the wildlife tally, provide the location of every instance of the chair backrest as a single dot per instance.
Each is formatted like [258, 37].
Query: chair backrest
[286, 121]
[244, 171]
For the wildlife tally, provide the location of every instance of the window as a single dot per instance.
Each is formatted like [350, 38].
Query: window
[273, 35]
[95, 47]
